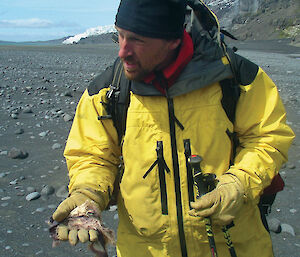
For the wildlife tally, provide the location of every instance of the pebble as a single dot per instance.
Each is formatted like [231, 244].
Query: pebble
[47, 190]
[68, 117]
[56, 146]
[113, 208]
[4, 153]
[14, 182]
[19, 131]
[5, 198]
[39, 252]
[62, 192]
[14, 116]
[44, 133]
[288, 229]
[68, 93]
[33, 196]
[27, 110]
[274, 225]
[52, 206]
[291, 166]
[3, 174]
[40, 209]
[16, 153]
[30, 189]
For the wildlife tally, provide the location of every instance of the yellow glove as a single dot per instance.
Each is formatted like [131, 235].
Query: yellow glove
[77, 198]
[223, 203]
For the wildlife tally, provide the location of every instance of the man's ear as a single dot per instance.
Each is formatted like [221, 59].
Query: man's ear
[174, 43]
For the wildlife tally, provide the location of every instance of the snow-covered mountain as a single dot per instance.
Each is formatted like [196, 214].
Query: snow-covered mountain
[90, 32]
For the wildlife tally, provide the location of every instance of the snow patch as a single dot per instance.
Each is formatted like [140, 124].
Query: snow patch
[90, 32]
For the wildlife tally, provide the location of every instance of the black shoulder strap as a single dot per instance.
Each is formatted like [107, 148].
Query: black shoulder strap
[231, 93]
[118, 99]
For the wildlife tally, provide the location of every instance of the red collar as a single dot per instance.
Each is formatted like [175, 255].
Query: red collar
[172, 72]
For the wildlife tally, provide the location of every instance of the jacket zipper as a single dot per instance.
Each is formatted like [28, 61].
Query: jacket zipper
[177, 178]
[162, 167]
[172, 121]
[187, 153]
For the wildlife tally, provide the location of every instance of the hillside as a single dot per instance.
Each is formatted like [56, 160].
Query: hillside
[260, 19]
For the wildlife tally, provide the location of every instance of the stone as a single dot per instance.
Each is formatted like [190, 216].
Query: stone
[68, 117]
[16, 153]
[19, 131]
[288, 229]
[56, 146]
[33, 196]
[274, 225]
[47, 190]
[62, 192]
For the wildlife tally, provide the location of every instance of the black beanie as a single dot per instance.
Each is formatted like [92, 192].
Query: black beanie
[152, 18]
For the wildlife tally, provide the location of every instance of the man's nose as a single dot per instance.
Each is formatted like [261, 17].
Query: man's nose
[124, 49]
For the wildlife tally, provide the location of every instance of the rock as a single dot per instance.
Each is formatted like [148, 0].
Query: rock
[291, 166]
[68, 117]
[113, 208]
[40, 209]
[56, 146]
[33, 196]
[19, 131]
[4, 153]
[274, 225]
[3, 174]
[14, 182]
[30, 189]
[16, 153]
[14, 116]
[44, 133]
[288, 229]
[52, 206]
[68, 94]
[62, 192]
[5, 198]
[27, 110]
[47, 190]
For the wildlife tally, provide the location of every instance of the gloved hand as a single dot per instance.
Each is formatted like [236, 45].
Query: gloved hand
[221, 204]
[77, 198]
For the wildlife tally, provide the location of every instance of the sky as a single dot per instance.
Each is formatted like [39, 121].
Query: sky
[33, 20]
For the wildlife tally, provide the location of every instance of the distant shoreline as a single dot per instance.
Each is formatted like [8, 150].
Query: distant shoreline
[272, 46]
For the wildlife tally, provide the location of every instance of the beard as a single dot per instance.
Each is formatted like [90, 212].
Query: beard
[138, 73]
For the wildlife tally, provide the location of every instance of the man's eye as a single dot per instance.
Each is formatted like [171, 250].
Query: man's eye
[137, 40]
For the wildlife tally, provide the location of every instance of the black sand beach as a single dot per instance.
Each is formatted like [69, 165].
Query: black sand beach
[39, 89]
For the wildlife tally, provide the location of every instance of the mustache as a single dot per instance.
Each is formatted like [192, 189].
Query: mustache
[128, 59]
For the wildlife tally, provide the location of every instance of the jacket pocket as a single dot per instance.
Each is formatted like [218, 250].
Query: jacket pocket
[162, 168]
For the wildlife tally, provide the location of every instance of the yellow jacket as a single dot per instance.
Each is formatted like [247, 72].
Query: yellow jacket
[148, 228]
[155, 188]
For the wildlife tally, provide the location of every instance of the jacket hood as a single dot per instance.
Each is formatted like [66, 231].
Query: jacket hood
[209, 63]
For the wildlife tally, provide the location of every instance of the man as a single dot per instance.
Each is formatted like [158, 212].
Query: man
[175, 110]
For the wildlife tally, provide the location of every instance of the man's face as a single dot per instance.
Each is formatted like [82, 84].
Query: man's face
[142, 55]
